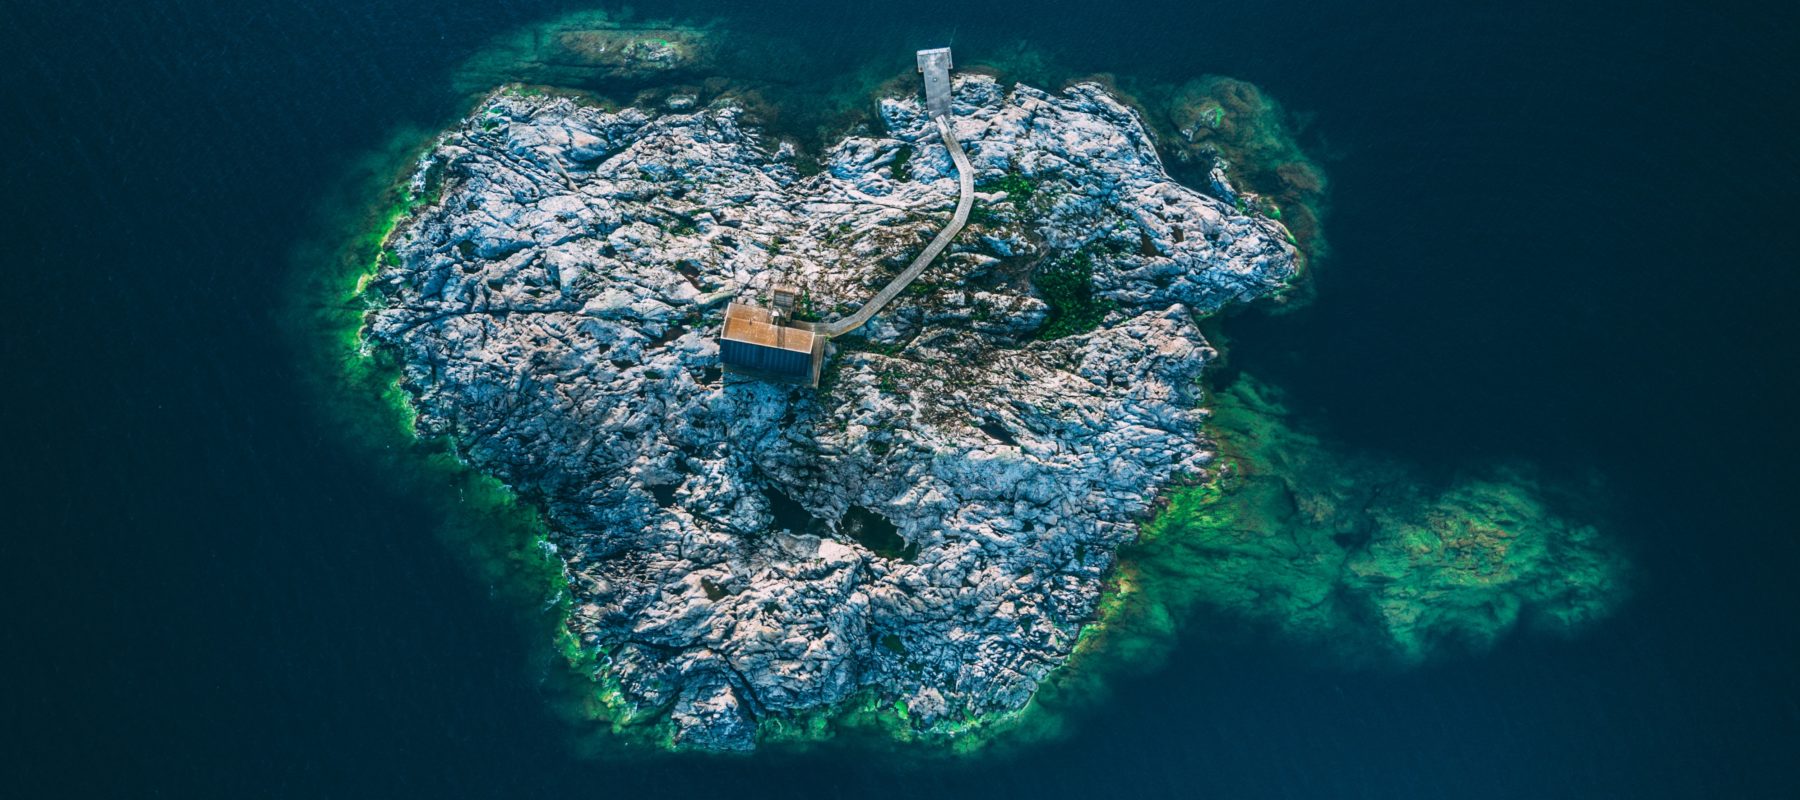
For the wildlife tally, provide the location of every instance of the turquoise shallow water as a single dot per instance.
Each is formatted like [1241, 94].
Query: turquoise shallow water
[1556, 237]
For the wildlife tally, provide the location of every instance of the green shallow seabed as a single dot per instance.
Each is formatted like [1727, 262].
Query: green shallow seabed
[1365, 556]
[1345, 551]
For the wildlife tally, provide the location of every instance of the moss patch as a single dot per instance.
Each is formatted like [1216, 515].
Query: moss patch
[1067, 285]
[902, 159]
[1018, 188]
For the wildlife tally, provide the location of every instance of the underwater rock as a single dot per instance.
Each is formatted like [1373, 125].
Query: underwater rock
[591, 49]
[1366, 557]
[932, 527]
[1230, 123]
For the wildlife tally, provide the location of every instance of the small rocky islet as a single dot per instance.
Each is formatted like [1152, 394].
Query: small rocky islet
[929, 535]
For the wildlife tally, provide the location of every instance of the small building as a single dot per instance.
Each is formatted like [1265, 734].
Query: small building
[758, 342]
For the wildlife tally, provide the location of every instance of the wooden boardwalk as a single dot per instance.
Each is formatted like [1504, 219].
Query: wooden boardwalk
[936, 66]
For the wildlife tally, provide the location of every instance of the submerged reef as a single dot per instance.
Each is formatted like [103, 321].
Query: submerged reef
[1365, 556]
[1233, 127]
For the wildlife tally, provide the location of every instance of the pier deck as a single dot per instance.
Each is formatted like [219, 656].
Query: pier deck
[935, 65]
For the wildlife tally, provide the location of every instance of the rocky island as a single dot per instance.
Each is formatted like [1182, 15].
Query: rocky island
[933, 526]
[1010, 486]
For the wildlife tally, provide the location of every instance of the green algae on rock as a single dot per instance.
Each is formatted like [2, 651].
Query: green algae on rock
[592, 49]
[1340, 551]
[358, 388]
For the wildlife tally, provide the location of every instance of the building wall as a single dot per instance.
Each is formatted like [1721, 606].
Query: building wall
[786, 363]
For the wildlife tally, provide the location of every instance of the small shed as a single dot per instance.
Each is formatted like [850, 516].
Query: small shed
[755, 341]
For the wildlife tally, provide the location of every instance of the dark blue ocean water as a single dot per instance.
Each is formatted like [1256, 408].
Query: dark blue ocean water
[1562, 232]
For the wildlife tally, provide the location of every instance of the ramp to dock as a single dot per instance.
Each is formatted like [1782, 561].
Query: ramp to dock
[936, 66]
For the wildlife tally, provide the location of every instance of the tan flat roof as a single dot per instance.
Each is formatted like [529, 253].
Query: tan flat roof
[755, 325]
